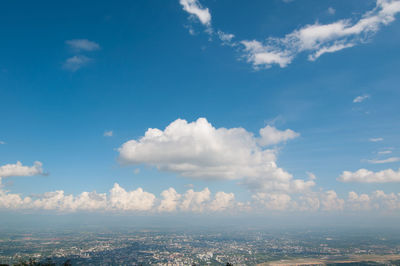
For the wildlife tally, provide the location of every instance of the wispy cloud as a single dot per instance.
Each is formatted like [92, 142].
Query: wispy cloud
[2, 142]
[315, 39]
[318, 39]
[311, 176]
[384, 152]
[76, 62]
[331, 11]
[261, 55]
[376, 139]
[108, 133]
[388, 160]
[361, 98]
[226, 38]
[79, 45]
[79, 60]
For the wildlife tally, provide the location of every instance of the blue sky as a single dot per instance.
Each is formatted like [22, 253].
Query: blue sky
[71, 71]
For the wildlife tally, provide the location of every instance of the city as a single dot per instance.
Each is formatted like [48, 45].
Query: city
[188, 247]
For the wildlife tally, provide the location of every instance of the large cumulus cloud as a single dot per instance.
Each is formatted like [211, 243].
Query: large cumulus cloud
[199, 150]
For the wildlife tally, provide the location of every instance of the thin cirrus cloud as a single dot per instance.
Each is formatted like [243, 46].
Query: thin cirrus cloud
[367, 176]
[2, 142]
[79, 60]
[384, 152]
[200, 151]
[331, 11]
[79, 45]
[388, 160]
[226, 38]
[108, 133]
[361, 98]
[379, 139]
[315, 39]
[76, 62]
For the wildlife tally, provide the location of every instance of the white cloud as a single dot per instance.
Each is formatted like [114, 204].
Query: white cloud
[194, 8]
[270, 135]
[170, 200]
[137, 200]
[2, 142]
[222, 201]
[366, 176]
[318, 39]
[277, 180]
[315, 39]
[119, 200]
[388, 160]
[18, 169]
[13, 201]
[378, 200]
[375, 139]
[57, 200]
[386, 201]
[309, 202]
[274, 201]
[331, 202]
[358, 202]
[108, 133]
[83, 45]
[326, 201]
[360, 98]
[331, 11]
[198, 150]
[195, 201]
[76, 62]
